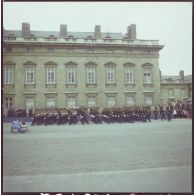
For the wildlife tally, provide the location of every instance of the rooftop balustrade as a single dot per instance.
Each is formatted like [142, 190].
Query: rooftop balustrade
[82, 40]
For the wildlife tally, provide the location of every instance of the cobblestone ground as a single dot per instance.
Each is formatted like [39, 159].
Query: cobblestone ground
[67, 149]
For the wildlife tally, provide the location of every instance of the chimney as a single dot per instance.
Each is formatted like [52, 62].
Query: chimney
[160, 74]
[181, 74]
[97, 31]
[131, 32]
[63, 30]
[25, 29]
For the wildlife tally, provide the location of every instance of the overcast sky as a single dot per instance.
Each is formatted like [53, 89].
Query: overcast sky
[168, 22]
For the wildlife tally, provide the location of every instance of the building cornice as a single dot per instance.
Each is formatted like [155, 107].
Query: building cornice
[91, 92]
[172, 84]
[69, 92]
[30, 93]
[129, 91]
[148, 91]
[110, 45]
[108, 92]
[50, 92]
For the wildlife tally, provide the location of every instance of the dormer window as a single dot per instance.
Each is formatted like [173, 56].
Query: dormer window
[70, 38]
[125, 38]
[11, 37]
[89, 37]
[52, 38]
[31, 37]
[170, 80]
[108, 39]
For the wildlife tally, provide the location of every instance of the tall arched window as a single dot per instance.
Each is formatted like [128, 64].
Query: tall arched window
[91, 72]
[110, 73]
[147, 73]
[71, 69]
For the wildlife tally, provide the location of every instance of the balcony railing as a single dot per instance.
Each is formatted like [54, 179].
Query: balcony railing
[175, 81]
[83, 41]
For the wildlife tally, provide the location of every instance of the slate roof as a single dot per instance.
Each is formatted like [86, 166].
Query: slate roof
[18, 33]
[166, 77]
[175, 78]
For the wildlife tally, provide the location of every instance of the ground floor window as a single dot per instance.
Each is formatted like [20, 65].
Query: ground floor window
[129, 100]
[29, 102]
[8, 102]
[171, 93]
[148, 100]
[71, 101]
[51, 102]
[91, 101]
[111, 100]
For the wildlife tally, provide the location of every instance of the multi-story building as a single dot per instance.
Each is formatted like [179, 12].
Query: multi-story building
[175, 88]
[49, 68]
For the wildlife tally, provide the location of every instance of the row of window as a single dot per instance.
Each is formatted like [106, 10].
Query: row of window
[72, 101]
[71, 75]
[69, 38]
[51, 50]
[172, 92]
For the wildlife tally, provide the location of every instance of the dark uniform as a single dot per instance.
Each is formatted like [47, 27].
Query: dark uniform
[95, 115]
[162, 113]
[73, 116]
[51, 117]
[148, 114]
[169, 112]
[39, 117]
[156, 113]
[82, 111]
[62, 116]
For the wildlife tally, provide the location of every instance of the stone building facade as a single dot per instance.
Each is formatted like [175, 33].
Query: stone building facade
[50, 68]
[174, 88]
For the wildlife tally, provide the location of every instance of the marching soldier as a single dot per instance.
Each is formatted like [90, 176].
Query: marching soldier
[39, 116]
[83, 115]
[62, 116]
[162, 112]
[51, 117]
[95, 116]
[73, 116]
[106, 115]
[169, 112]
[156, 113]
[148, 114]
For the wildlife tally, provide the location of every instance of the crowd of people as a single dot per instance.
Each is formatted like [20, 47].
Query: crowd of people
[99, 114]
[96, 115]
[18, 127]
[18, 112]
[122, 114]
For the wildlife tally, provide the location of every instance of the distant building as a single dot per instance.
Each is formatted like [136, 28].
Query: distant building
[175, 88]
[50, 68]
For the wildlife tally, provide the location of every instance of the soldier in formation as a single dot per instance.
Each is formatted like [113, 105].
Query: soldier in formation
[99, 114]
[62, 117]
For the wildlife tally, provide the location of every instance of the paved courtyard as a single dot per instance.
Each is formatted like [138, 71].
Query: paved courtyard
[139, 157]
